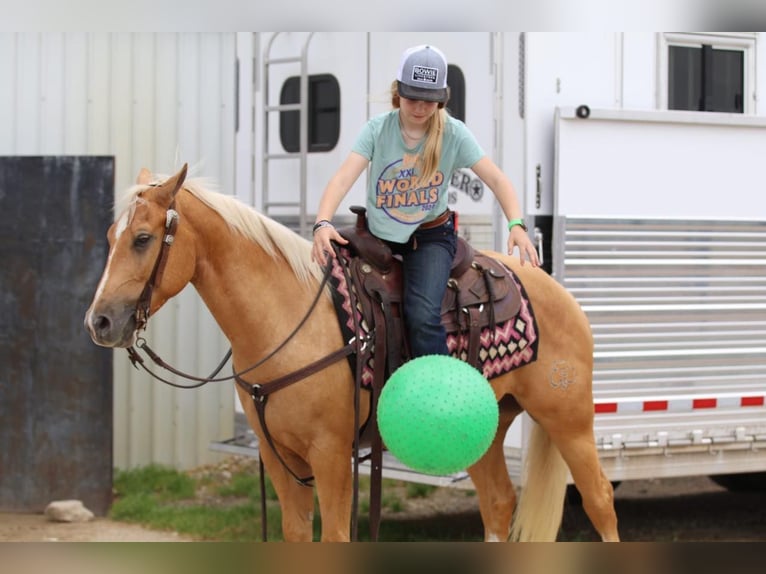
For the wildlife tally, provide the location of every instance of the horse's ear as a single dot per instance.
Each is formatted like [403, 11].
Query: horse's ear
[144, 177]
[171, 186]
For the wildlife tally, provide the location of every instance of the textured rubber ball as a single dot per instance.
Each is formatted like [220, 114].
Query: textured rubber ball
[437, 414]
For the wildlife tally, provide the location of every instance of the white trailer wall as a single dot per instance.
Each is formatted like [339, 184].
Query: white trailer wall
[624, 75]
[154, 100]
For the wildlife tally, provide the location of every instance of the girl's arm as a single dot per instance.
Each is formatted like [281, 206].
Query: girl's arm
[506, 196]
[336, 189]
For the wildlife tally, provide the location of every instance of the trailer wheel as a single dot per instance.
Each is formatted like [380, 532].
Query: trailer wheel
[743, 482]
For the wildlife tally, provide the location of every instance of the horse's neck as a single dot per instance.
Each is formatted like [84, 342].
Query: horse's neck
[245, 289]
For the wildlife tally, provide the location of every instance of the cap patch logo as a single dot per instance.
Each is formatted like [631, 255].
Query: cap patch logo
[425, 74]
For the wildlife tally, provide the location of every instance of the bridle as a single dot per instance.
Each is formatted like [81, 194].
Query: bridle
[143, 305]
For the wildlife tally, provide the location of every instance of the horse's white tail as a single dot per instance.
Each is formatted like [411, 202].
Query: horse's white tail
[541, 502]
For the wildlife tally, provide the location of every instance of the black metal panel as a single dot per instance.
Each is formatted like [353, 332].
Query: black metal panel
[545, 224]
[55, 384]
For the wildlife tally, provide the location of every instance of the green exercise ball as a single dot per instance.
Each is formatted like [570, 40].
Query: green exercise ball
[437, 414]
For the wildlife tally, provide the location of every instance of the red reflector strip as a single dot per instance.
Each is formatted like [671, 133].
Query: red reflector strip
[605, 407]
[679, 404]
[751, 402]
[704, 403]
[655, 405]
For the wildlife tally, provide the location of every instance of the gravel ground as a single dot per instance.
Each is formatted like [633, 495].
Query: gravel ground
[36, 528]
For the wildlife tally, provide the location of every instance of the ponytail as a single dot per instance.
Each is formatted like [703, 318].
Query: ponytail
[428, 159]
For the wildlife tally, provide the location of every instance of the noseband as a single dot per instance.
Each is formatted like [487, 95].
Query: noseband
[144, 303]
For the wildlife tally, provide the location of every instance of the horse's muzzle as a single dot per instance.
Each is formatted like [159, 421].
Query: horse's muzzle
[110, 328]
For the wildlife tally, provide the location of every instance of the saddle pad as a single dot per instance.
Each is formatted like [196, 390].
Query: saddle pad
[352, 322]
[512, 344]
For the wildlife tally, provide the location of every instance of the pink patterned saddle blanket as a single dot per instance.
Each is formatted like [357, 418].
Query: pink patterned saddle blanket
[486, 312]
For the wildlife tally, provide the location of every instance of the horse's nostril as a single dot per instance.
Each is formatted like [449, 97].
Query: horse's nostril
[101, 324]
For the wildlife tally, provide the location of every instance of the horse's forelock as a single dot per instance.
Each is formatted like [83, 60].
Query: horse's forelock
[127, 202]
[131, 197]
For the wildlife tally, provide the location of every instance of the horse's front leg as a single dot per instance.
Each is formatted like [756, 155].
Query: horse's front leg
[332, 470]
[331, 448]
[296, 501]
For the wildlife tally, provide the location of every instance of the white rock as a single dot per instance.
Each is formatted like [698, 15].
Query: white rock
[68, 511]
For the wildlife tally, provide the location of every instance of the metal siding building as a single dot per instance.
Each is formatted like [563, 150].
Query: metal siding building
[150, 100]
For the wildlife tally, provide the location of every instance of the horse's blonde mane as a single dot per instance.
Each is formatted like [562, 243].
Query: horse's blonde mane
[274, 238]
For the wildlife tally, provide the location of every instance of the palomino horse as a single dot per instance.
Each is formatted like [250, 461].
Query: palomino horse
[257, 279]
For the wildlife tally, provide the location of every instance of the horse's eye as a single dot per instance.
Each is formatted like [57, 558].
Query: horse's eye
[141, 241]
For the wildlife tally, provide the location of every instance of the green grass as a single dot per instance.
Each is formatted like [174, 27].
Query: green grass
[164, 483]
[165, 499]
[244, 485]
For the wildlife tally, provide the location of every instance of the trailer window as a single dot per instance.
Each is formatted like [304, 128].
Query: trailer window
[705, 79]
[323, 113]
[708, 72]
[456, 83]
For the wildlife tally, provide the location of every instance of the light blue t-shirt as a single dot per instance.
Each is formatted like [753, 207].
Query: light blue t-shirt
[395, 205]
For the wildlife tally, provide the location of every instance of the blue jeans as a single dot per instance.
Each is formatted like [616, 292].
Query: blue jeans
[426, 263]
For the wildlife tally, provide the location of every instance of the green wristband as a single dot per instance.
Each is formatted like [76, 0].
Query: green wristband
[513, 222]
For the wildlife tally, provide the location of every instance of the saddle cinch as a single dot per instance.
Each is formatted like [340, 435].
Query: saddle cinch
[480, 294]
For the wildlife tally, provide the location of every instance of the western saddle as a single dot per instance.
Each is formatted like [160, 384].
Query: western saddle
[480, 294]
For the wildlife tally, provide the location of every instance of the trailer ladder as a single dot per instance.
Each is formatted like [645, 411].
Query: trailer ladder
[269, 203]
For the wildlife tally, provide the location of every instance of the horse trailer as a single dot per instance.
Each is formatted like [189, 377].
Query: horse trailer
[636, 157]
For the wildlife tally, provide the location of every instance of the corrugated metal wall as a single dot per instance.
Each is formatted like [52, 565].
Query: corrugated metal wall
[154, 100]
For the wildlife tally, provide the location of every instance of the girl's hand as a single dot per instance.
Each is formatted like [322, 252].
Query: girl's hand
[519, 238]
[322, 247]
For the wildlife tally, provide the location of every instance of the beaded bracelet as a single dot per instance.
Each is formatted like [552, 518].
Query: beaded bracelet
[320, 224]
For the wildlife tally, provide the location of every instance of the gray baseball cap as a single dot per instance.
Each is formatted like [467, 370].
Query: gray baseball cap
[423, 74]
